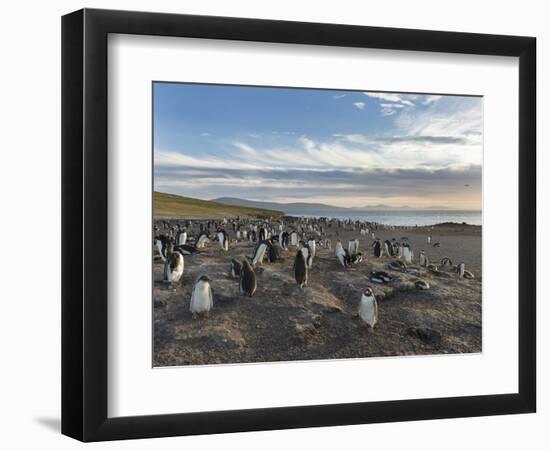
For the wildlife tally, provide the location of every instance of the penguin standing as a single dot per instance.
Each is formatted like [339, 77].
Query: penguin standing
[342, 255]
[312, 247]
[294, 238]
[353, 246]
[377, 248]
[312, 250]
[173, 268]
[201, 297]
[368, 308]
[259, 253]
[407, 253]
[181, 237]
[423, 259]
[283, 240]
[263, 234]
[236, 268]
[273, 253]
[461, 269]
[161, 243]
[388, 248]
[247, 283]
[429, 239]
[300, 269]
[222, 238]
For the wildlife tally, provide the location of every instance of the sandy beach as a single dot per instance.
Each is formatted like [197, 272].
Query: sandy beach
[282, 322]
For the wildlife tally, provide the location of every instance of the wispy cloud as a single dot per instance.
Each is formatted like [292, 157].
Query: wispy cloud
[412, 149]
[431, 99]
[390, 103]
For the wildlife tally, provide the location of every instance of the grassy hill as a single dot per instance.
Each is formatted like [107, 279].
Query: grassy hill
[169, 205]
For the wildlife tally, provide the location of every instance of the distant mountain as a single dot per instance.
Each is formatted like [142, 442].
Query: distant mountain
[287, 208]
[306, 208]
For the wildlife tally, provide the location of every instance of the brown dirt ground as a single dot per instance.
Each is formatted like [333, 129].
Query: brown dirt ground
[282, 322]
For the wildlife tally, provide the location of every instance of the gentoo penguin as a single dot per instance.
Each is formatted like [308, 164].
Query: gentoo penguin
[283, 239]
[238, 235]
[293, 238]
[469, 275]
[368, 308]
[397, 265]
[356, 258]
[342, 255]
[259, 253]
[433, 268]
[202, 240]
[460, 269]
[388, 248]
[300, 269]
[181, 237]
[423, 259]
[328, 244]
[436, 244]
[377, 248]
[236, 267]
[186, 249]
[398, 250]
[429, 239]
[312, 250]
[380, 277]
[306, 251]
[446, 261]
[247, 283]
[173, 268]
[421, 284]
[263, 234]
[353, 246]
[312, 247]
[222, 238]
[201, 297]
[161, 243]
[407, 253]
[273, 253]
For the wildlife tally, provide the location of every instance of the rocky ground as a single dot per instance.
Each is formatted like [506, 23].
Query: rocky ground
[282, 322]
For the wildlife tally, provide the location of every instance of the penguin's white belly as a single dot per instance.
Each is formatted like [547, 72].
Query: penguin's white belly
[177, 273]
[368, 311]
[182, 239]
[201, 299]
[159, 247]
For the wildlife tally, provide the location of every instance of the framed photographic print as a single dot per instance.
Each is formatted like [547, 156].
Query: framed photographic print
[273, 224]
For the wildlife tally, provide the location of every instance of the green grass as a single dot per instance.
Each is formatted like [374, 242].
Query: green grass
[169, 205]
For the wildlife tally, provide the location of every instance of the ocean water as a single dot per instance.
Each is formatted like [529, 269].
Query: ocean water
[407, 217]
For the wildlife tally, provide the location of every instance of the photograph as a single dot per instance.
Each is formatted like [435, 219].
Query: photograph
[295, 224]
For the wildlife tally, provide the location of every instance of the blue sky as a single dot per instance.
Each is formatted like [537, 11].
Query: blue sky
[347, 148]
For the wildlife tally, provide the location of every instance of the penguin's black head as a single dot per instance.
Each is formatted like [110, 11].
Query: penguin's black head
[205, 279]
[368, 292]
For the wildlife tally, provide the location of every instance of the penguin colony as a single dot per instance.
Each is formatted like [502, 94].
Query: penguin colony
[303, 239]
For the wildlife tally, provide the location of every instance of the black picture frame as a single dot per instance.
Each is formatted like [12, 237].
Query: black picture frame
[84, 224]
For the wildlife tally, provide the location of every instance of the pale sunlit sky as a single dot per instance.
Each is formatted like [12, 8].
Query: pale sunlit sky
[345, 148]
